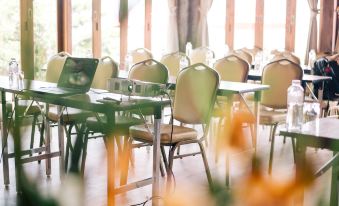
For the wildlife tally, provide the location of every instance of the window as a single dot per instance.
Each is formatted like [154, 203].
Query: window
[216, 27]
[136, 22]
[110, 29]
[81, 28]
[244, 22]
[9, 33]
[45, 34]
[274, 24]
[160, 14]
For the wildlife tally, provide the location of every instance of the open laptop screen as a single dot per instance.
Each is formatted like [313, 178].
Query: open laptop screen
[78, 73]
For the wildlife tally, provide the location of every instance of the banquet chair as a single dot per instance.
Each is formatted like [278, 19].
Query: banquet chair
[173, 62]
[286, 55]
[193, 105]
[140, 54]
[274, 100]
[252, 51]
[201, 55]
[73, 118]
[242, 54]
[54, 68]
[149, 71]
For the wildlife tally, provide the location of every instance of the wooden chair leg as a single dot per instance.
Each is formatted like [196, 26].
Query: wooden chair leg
[84, 153]
[272, 149]
[41, 142]
[35, 117]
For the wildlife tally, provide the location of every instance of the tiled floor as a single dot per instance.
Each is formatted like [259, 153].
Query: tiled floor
[189, 174]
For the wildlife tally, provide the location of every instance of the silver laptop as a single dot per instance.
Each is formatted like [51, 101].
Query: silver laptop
[76, 77]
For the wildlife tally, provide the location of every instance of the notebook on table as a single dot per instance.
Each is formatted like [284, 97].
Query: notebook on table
[76, 77]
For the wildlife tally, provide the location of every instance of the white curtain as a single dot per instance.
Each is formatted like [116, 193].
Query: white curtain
[172, 33]
[205, 6]
[312, 34]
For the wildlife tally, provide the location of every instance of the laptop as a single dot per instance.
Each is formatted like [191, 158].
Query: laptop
[76, 77]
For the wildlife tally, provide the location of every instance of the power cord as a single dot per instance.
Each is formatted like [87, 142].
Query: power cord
[148, 199]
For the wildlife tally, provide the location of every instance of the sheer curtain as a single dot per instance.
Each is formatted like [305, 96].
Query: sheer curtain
[172, 34]
[204, 8]
[312, 34]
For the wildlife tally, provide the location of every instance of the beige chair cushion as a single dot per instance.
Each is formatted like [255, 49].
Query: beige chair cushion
[69, 115]
[140, 132]
[272, 116]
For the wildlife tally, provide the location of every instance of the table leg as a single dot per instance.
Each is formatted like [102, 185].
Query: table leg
[227, 136]
[300, 164]
[48, 141]
[17, 146]
[156, 157]
[334, 183]
[61, 144]
[110, 146]
[257, 96]
[4, 139]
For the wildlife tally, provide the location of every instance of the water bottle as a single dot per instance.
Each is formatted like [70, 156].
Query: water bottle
[295, 102]
[183, 62]
[128, 61]
[312, 57]
[13, 69]
[188, 49]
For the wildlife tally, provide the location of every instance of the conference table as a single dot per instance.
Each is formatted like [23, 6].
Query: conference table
[92, 101]
[321, 133]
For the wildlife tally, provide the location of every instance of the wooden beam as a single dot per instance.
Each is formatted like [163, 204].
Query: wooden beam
[291, 6]
[148, 25]
[229, 27]
[326, 25]
[64, 21]
[96, 28]
[26, 38]
[259, 24]
[123, 19]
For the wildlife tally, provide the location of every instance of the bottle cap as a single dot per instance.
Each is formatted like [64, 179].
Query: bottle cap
[296, 81]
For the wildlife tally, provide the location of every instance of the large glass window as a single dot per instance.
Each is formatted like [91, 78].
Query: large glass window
[244, 22]
[160, 18]
[110, 29]
[216, 27]
[81, 28]
[9, 33]
[45, 34]
[274, 24]
[136, 22]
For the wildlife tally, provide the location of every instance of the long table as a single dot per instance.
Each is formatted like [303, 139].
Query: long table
[324, 134]
[89, 102]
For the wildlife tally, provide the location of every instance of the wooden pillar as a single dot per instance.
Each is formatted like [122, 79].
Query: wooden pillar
[64, 23]
[148, 25]
[229, 27]
[123, 19]
[326, 25]
[26, 38]
[96, 28]
[259, 24]
[290, 25]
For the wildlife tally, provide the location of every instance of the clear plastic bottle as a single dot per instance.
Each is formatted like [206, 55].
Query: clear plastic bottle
[183, 62]
[312, 57]
[188, 49]
[13, 73]
[295, 102]
[128, 61]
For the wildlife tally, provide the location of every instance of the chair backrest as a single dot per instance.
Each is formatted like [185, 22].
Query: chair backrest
[195, 94]
[149, 71]
[232, 68]
[286, 55]
[201, 55]
[279, 75]
[172, 62]
[140, 54]
[253, 51]
[107, 68]
[55, 66]
[242, 54]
